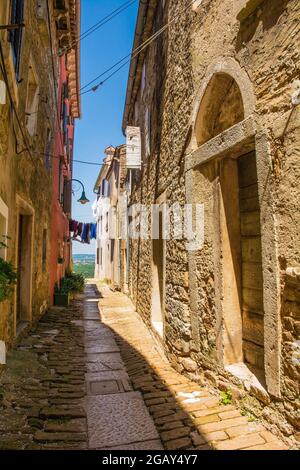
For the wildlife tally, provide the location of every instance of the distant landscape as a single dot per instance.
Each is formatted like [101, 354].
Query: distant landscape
[84, 264]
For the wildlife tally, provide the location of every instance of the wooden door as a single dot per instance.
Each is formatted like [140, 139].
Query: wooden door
[251, 269]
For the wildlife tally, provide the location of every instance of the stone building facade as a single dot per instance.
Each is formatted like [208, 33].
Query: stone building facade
[68, 105]
[110, 211]
[216, 97]
[28, 125]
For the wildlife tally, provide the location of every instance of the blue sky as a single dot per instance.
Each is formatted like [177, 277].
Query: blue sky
[102, 111]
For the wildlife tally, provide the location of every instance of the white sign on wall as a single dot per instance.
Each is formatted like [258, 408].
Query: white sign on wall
[2, 92]
[2, 353]
[133, 147]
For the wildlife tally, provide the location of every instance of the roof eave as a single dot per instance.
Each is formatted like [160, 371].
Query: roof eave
[139, 29]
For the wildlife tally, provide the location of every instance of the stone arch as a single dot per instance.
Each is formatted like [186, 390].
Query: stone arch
[224, 98]
[239, 148]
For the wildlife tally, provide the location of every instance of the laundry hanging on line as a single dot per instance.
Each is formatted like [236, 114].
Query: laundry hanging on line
[85, 231]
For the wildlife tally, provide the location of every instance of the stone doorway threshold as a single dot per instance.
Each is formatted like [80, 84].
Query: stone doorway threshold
[158, 327]
[249, 380]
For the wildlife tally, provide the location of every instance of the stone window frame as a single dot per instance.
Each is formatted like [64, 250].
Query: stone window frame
[242, 136]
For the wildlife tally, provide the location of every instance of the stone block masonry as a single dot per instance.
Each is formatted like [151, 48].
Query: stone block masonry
[219, 88]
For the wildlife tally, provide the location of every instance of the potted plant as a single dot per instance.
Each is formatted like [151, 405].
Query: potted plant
[61, 296]
[74, 282]
[70, 285]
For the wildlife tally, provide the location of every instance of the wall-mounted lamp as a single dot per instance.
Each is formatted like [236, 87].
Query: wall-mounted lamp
[11, 27]
[83, 199]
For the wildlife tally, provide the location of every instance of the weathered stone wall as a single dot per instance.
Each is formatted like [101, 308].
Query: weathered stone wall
[22, 175]
[264, 44]
[168, 90]
[291, 344]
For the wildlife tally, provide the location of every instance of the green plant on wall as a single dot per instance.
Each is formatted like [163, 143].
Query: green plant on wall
[8, 275]
[226, 397]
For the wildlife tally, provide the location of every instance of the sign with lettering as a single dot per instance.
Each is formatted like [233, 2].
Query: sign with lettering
[2, 92]
[2, 353]
[133, 147]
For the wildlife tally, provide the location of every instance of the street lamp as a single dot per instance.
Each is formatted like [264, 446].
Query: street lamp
[83, 199]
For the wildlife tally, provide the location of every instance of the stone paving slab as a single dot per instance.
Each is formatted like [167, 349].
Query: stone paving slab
[115, 420]
[104, 347]
[108, 361]
[107, 375]
[146, 445]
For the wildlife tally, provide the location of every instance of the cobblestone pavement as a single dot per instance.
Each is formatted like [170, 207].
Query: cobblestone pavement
[66, 387]
[90, 380]
[42, 391]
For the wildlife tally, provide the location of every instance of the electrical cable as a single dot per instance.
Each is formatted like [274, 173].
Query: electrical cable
[132, 55]
[74, 160]
[99, 24]
[59, 157]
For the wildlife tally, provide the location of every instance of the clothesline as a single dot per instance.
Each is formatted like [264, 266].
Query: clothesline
[85, 231]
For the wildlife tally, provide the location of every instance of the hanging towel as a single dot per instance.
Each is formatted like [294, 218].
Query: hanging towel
[75, 227]
[93, 231]
[79, 229]
[88, 234]
[83, 234]
[71, 225]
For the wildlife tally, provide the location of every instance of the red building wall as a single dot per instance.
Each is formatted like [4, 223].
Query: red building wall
[60, 255]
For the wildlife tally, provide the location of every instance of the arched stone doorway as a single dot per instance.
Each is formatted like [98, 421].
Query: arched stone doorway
[226, 169]
[221, 107]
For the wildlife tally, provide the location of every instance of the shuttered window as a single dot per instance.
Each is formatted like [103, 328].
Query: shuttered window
[15, 35]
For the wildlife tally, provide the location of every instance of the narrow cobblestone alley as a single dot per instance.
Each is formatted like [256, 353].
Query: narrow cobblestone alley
[84, 380]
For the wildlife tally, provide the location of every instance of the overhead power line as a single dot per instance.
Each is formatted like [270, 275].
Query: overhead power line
[59, 157]
[100, 23]
[128, 58]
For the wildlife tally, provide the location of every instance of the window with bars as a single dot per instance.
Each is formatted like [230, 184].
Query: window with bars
[15, 35]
